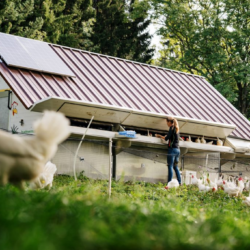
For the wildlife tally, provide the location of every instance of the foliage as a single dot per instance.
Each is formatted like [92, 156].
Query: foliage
[78, 33]
[77, 215]
[14, 15]
[113, 27]
[58, 21]
[121, 29]
[210, 38]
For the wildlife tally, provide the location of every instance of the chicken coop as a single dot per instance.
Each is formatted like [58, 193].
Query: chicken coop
[119, 95]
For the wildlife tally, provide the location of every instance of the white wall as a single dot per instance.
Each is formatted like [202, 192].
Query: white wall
[4, 113]
[13, 119]
[22, 114]
[3, 84]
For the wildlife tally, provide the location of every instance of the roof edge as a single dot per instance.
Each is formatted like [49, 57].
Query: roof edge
[12, 89]
[231, 126]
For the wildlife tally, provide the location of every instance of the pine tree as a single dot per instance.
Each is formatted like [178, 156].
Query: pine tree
[13, 19]
[119, 30]
[78, 34]
[56, 21]
[108, 31]
[139, 39]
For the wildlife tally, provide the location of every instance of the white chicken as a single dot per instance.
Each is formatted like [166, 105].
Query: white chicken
[204, 188]
[241, 184]
[246, 200]
[220, 182]
[172, 184]
[213, 185]
[231, 189]
[45, 179]
[22, 159]
[195, 181]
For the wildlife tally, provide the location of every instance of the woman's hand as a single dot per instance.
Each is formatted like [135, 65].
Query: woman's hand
[159, 136]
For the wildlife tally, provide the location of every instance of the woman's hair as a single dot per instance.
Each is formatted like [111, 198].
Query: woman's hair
[175, 122]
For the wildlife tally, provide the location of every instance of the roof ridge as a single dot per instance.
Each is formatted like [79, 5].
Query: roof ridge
[113, 57]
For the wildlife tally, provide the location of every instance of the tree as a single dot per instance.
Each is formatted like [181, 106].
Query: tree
[78, 33]
[54, 20]
[13, 19]
[210, 38]
[138, 36]
[120, 30]
[67, 22]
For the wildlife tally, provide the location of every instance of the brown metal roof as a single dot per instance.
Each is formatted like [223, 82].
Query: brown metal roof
[118, 82]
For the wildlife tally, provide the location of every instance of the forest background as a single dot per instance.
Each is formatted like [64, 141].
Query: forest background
[205, 37]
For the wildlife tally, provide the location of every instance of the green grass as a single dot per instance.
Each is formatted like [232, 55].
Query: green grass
[79, 215]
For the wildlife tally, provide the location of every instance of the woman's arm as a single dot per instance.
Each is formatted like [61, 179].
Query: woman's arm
[160, 136]
[166, 137]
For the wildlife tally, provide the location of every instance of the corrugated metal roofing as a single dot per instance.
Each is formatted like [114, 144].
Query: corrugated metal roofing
[113, 81]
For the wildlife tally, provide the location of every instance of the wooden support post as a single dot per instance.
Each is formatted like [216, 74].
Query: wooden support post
[114, 161]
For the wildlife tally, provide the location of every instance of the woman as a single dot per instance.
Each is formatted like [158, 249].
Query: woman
[173, 148]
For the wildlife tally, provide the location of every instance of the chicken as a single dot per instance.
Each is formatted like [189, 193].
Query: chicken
[203, 140]
[45, 179]
[220, 182]
[198, 140]
[231, 189]
[195, 181]
[213, 185]
[172, 184]
[241, 185]
[219, 142]
[204, 188]
[210, 143]
[246, 200]
[23, 158]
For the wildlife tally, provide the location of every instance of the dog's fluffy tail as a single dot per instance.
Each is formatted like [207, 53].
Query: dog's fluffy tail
[52, 128]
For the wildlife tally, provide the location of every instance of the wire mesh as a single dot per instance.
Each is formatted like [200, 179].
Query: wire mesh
[141, 162]
[92, 160]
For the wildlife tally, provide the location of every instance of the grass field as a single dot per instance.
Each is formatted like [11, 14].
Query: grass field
[79, 215]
